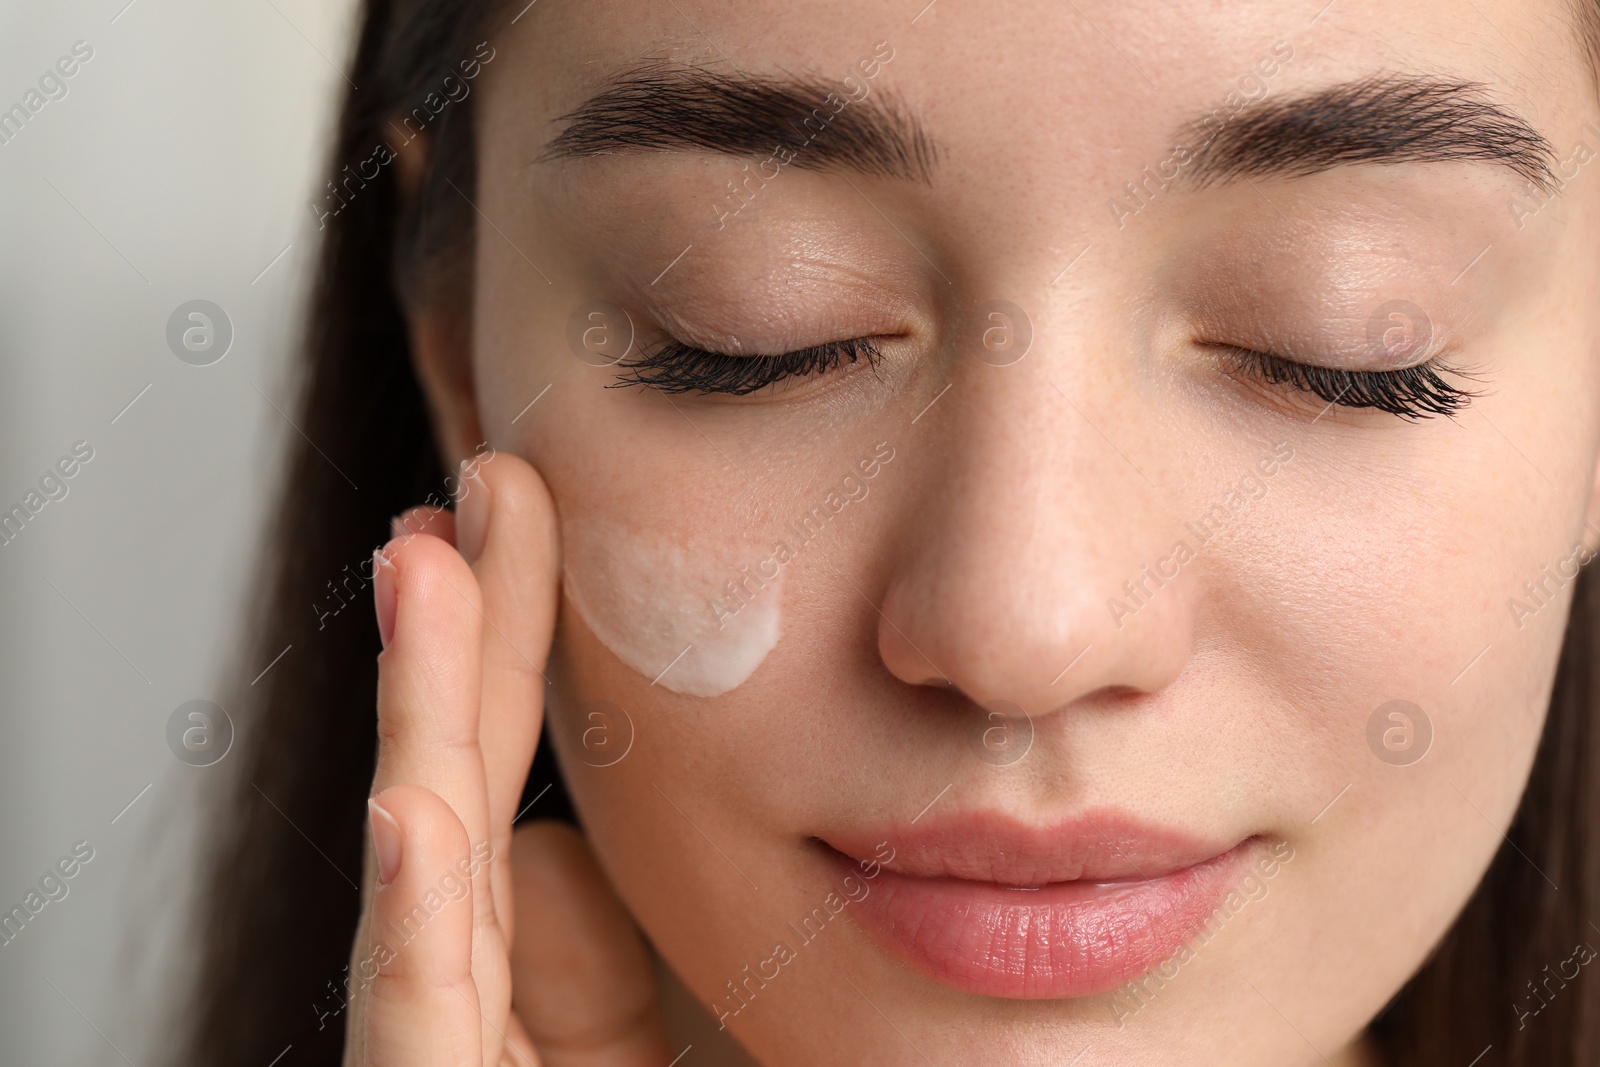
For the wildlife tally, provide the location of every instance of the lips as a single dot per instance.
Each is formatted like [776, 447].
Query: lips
[992, 906]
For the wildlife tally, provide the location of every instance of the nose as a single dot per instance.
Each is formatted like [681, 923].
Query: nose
[1041, 566]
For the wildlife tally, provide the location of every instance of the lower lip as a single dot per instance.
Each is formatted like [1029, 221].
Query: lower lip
[1067, 939]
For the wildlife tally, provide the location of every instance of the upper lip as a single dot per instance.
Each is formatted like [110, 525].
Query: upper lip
[1103, 845]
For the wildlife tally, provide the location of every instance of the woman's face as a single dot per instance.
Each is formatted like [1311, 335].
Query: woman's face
[1026, 685]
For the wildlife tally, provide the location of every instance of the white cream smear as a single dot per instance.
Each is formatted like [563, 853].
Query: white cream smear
[696, 619]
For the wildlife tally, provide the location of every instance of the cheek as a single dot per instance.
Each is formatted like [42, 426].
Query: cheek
[1384, 599]
[695, 617]
[1346, 587]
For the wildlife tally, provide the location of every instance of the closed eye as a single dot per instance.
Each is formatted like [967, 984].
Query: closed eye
[1416, 392]
[677, 368]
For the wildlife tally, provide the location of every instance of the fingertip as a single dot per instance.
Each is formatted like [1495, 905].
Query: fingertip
[522, 503]
[423, 562]
[423, 833]
[422, 1002]
[424, 519]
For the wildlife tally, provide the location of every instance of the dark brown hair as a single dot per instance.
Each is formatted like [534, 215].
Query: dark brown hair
[280, 903]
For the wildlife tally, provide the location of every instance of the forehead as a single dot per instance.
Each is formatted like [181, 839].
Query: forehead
[1107, 78]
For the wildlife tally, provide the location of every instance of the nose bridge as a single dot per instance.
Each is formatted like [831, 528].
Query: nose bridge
[1033, 528]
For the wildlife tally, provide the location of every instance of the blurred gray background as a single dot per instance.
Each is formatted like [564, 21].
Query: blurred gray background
[177, 167]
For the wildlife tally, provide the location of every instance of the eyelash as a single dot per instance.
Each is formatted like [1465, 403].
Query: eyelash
[1415, 393]
[677, 368]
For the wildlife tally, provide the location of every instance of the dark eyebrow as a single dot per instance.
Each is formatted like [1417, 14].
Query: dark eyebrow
[1385, 118]
[827, 125]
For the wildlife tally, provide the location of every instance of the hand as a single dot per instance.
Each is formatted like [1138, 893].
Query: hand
[480, 947]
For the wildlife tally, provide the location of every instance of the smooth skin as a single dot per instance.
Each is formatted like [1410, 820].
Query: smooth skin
[1377, 565]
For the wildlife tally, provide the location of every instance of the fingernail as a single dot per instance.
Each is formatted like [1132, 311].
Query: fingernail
[472, 515]
[384, 595]
[397, 526]
[385, 841]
